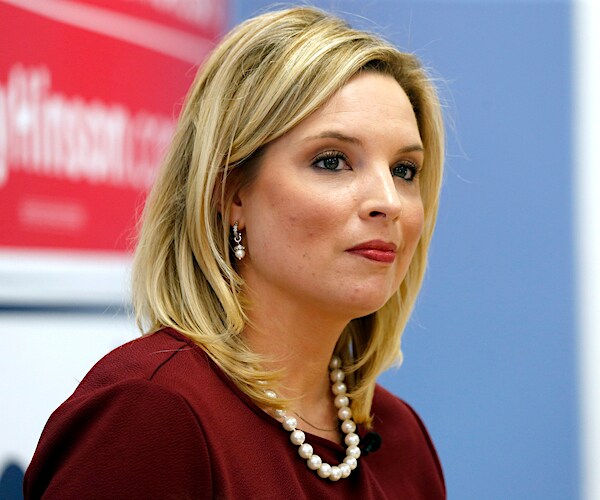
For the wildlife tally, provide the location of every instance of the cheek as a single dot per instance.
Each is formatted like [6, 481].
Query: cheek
[417, 221]
[414, 216]
[413, 223]
[290, 219]
[302, 214]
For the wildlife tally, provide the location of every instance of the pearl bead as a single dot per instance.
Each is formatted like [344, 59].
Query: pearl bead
[344, 413]
[289, 423]
[314, 462]
[341, 400]
[335, 362]
[336, 473]
[345, 468]
[306, 451]
[351, 439]
[338, 388]
[353, 451]
[324, 471]
[348, 426]
[297, 437]
[240, 253]
[337, 376]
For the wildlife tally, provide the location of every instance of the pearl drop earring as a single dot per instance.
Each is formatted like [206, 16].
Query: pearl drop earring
[239, 250]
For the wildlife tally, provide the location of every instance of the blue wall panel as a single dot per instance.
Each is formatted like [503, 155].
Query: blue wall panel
[490, 352]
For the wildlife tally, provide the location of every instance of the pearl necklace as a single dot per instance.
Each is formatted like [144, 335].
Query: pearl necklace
[348, 426]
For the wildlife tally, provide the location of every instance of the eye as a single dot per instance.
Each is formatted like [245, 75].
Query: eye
[331, 160]
[406, 170]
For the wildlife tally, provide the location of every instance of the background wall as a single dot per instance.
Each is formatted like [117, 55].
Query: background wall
[89, 93]
[491, 354]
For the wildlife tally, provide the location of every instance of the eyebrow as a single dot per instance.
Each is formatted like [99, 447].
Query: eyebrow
[335, 135]
[355, 140]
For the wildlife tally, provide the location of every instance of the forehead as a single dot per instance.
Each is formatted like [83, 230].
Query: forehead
[369, 104]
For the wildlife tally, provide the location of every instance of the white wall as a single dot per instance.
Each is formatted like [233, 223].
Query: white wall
[44, 356]
[586, 33]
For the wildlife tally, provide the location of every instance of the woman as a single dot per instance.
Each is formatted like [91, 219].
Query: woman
[281, 252]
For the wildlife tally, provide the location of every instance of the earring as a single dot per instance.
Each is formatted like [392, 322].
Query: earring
[239, 250]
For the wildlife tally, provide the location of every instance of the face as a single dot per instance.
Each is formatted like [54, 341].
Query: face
[334, 215]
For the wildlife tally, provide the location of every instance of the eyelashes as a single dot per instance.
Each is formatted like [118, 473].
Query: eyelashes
[331, 160]
[335, 161]
[406, 170]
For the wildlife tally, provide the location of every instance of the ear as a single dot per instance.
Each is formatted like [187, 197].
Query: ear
[236, 211]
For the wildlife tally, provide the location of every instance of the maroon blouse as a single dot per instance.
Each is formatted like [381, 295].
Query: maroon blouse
[156, 418]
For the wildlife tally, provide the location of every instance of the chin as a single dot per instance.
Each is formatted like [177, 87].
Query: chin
[364, 309]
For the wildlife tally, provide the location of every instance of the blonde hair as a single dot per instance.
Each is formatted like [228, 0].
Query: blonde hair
[265, 77]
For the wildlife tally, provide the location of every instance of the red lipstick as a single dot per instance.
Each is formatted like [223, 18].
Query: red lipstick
[377, 250]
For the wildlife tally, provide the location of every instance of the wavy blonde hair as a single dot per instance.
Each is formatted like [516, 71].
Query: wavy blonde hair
[265, 77]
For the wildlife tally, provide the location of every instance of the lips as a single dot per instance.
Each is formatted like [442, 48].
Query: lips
[375, 250]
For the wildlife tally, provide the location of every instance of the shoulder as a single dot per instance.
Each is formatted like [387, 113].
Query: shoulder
[388, 407]
[117, 443]
[155, 373]
[123, 425]
[142, 359]
[399, 421]
[406, 441]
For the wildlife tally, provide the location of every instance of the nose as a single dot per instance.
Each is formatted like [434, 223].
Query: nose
[380, 198]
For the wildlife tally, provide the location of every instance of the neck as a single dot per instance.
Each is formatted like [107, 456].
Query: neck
[300, 342]
[299, 345]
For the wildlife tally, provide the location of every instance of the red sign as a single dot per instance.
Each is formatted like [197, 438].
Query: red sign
[89, 92]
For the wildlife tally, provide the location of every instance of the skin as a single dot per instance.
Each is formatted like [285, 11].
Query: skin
[342, 177]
